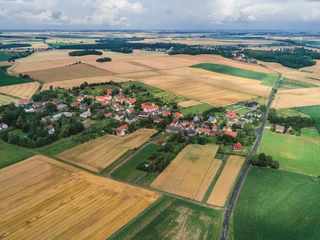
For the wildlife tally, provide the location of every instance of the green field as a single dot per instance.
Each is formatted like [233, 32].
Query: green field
[277, 205]
[270, 80]
[288, 112]
[57, 147]
[128, 171]
[310, 133]
[291, 84]
[238, 72]
[10, 154]
[312, 111]
[196, 109]
[293, 153]
[4, 56]
[173, 219]
[6, 79]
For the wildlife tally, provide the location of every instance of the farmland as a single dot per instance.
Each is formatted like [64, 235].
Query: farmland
[128, 171]
[196, 109]
[291, 84]
[310, 133]
[226, 180]
[173, 219]
[57, 147]
[276, 204]
[289, 98]
[66, 73]
[4, 100]
[238, 72]
[6, 79]
[312, 111]
[294, 154]
[270, 80]
[100, 153]
[11, 154]
[190, 173]
[44, 199]
[25, 90]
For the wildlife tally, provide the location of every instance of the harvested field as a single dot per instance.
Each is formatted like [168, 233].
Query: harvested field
[190, 173]
[26, 90]
[296, 98]
[2, 64]
[5, 100]
[66, 73]
[221, 190]
[305, 77]
[119, 67]
[276, 67]
[44, 199]
[189, 103]
[100, 153]
[138, 75]
[77, 82]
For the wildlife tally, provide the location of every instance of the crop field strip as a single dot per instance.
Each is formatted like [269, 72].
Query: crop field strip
[225, 182]
[40, 199]
[25, 90]
[190, 174]
[4, 100]
[100, 153]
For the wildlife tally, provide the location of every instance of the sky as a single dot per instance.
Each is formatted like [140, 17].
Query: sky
[160, 14]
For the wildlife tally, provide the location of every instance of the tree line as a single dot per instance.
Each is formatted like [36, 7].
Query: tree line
[84, 53]
[263, 160]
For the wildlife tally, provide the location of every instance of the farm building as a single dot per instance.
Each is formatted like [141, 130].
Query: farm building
[279, 129]
[174, 129]
[237, 147]
[24, 101]
[252, 105]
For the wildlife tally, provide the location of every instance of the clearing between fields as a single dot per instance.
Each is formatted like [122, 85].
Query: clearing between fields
[223, 186]
[42, 198]
[190, 174]
[100, 153]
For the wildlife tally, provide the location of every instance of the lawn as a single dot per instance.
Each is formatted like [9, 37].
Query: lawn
[10, 154]
[196, 109]
[57, 147]
[291, 84]
[270, 80]
[312, 111]
[278, 205]
[293, 153]
[6, 79]
[310, 133]
[238, 72]
[169, 218]
[128, 171]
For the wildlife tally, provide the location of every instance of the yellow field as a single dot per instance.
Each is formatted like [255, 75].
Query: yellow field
[25, 90]
[42, 198]
[100, 153]
[190, 173]
[189, 103]
[221, 190]
[276, 67]
[288, 98]
[4, 100]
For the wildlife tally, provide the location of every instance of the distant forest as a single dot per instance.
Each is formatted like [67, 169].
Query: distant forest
[84, 53]
[14, 45]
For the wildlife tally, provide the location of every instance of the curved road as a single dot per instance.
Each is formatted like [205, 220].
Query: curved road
[229, 208]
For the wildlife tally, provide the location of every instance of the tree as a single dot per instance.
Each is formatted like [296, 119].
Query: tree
[51, 87]
[50, 107]
[275, 165]
[19, 122]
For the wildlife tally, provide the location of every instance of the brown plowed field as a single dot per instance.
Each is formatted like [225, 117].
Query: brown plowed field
[100, 153]
[42, 198]
[190, 173]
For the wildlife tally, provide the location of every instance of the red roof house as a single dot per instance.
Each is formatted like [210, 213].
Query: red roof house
[100, 98]
[233, 134]
[107, 115]
[74, 104]
[120, 131]
[237, 147]
[166, 113]
[109, 91]
[149, 107]
[178, 115]
[231, 113]
[24, 101]
[204, 131]
[214, 127]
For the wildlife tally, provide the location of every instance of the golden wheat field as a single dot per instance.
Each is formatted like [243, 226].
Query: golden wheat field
[100, 153]
[190, 173]
[4, 100]
[25, 90]
[42, 198]
[223, 186]
[276, 67]
[288, 98]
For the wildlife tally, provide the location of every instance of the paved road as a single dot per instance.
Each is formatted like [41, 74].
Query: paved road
[229, 208]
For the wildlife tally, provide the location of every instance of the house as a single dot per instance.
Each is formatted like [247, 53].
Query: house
[121, 131]
[40, 109]
[50, 129]
[24, 101]
[230, 133]
[60, 106]
[174, 129]
[119, 117]
[131, 119]
[157, 119]
[54, 101]
[144, 114]
[166, 113]
[29, 110]
[192, 133]
[248, 118]
[35, 105]
[198, 118]
[3, 126]
[91, 97]
[204, 131]
[106, 102]
[74, 104]
[80, 98]
[109, 91]
[279, 129]
[216, 133]
[252, 105]
[237, 147]
[131, 101]
[86, 114]
[212, 119]
[129, 110]
[231, 114]
[107, 115]
[119, 98]
[83, 106]
[178, 115]
[100, 98]
[214, 127]
[149, 107]
[67, 114]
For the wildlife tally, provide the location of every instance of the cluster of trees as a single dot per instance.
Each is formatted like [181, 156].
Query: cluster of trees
[263, 160]
[225, 51]
[34, 133]
[26, 76]
[296, 122]
[293, 58]
[105, 59]
[158, 161]
[44, 96]
[117, 40]
[85, 52]
[18, 55]
[14, 45]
